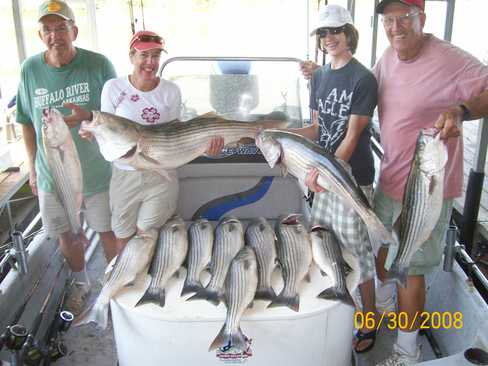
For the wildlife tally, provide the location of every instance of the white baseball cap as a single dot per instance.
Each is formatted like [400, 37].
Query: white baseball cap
[332, 16]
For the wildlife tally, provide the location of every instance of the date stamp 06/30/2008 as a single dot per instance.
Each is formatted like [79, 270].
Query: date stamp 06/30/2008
[404, 320]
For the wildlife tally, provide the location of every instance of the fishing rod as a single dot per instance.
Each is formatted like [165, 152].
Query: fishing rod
[5, 337]
[54, 348]
[30, 347]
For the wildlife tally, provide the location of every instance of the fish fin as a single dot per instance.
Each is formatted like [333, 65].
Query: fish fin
[293, 302]
[225, 339]
[153, 295]
[432, 184]
[265, 293]
[191, 287]
[398, 274]
[284, 170]
[95, 313]
[334, 293]
[212, 296]
[247, 264]
[347, 268]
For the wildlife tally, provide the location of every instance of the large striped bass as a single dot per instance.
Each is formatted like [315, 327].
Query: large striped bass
[199, 255]
[422, 202]
[170, 253]
[229, 239]
[327, 254]
[165, 146]
[298, 155]
[133, 260]
[261, 237]
[295, 257]
[241, 284]
[64, 164]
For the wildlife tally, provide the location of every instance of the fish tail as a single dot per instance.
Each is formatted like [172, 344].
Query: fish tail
[379, 236]
[226, 339]
[293, 302]
[153, 295]
[336, 293]
[398, 274]
[265, 293]
[95, 313]
[213, 296]
[191, 287]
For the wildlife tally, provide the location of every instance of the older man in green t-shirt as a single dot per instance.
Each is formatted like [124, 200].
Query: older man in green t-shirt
[65, 74]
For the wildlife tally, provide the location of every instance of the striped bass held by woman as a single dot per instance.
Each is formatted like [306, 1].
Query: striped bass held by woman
[167, 146]
[298, 155]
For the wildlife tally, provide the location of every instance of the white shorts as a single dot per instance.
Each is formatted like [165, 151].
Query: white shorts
[55, 220]
[141, 200]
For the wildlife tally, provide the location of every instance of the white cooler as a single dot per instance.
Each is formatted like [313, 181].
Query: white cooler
[181, 332]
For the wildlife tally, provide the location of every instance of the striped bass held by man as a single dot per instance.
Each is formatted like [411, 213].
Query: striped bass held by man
[64, 163]
[170, 254]
[422, 201]
[167, 146]
[298, 155]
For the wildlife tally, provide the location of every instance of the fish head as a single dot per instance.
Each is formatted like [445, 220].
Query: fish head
[431, 152]
[269, 146]
[55, 130]
[116, 136]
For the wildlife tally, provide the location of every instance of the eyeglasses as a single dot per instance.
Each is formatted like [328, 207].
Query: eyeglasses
[403, 20]
[147, 38]
[324, 32]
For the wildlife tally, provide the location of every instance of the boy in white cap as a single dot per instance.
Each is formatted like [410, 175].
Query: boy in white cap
[343, 98]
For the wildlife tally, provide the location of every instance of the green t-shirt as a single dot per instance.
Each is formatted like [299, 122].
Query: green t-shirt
[79, 82]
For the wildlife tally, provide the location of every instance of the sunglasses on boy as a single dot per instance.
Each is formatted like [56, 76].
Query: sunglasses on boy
[324, 32]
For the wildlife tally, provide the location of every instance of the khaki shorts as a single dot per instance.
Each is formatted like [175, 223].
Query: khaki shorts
[429, 255]
[141, 200]
[55, 221]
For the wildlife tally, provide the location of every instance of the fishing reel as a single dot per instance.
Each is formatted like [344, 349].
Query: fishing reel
[14, 337]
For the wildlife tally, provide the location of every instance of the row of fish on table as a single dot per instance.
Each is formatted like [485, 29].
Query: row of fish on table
[174, 144]
[241, 264]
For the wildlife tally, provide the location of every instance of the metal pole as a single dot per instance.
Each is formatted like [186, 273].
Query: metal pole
[474, 188]
[374, 45]
[19, 30]
[92, 23]
[449, 20]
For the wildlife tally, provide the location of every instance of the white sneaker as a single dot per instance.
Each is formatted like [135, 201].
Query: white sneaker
[400, 357]
[77, 296]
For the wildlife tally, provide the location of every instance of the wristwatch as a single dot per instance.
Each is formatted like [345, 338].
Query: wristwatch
[466, 113]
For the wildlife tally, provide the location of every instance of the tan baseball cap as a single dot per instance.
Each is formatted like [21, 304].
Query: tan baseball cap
[56, 7]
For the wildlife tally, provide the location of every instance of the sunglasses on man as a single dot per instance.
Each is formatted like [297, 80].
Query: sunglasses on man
[324, 32]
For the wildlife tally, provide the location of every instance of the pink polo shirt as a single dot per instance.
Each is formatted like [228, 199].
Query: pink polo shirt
[412, 95]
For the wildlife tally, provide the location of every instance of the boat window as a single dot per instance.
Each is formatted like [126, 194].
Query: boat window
[241, 90]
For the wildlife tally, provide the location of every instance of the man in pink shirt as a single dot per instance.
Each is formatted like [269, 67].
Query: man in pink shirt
[423, 82]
